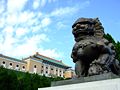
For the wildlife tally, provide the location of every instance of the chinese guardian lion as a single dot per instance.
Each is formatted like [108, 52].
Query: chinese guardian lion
[92, 53]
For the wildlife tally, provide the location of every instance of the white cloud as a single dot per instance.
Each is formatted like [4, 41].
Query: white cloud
[61, 25]
[26, 17]
[42, 24]
[36, 4]
[64, 11]
[7, 39]
[45, 22]
[84, 4]
[24, 49]
[50, 53]
[15, 5]
[11, 19]
[30, 45]
[19, 18]
[42, 3]
[2, 7]
[2, 22]
[50, 1]
[8, 31]
[21, 31]
[39, 3]
[17, 38]
[38, 39]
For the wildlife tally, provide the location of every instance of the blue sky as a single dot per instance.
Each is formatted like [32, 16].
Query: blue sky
[44, 26]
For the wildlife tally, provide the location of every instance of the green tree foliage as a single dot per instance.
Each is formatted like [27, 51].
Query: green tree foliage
[117, 48]
[117, 45]
[109, 38]
[8, 80]
[15, 80]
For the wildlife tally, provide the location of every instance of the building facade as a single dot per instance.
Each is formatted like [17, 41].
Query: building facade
[12, 63]
[36, 63]
[69, 73]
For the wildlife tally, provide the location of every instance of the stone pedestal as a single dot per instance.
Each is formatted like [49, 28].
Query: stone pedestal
[86, 79]
[111, 84]
[107, 81]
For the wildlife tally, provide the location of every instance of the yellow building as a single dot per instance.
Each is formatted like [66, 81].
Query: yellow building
[69, 73]
[36, 63]
[12, 63]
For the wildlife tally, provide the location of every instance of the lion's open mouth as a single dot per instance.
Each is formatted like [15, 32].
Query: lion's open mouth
[81, 32]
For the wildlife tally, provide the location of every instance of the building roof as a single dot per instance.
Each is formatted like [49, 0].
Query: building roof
[10, 58]
[51, 60]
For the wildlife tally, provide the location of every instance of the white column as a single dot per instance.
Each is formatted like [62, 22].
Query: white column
[54, 70]
[23, 69]
[35, 70]
[48, 70]
[4, 65]
[58, 72]
[17, 68]
[61, 72]
[44, 69]
[10, 67]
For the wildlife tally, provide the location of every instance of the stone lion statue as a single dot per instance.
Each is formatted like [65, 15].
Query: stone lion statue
[92, 53]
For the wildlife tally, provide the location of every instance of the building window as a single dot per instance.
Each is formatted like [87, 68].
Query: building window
[46, 71]
[34, 66]
[42, 66]
[41, 71]
[17, 67]
[10, 66]
[46, 67]
[35, 69]
[3, 64]
[23, 68]
[51, 68]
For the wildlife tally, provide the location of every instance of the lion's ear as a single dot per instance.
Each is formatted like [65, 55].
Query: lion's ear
[96, 18]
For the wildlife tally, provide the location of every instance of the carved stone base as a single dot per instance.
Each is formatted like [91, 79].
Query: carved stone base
[109, 84]
[86, 79]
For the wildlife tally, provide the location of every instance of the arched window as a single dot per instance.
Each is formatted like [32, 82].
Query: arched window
[17, 67]
[10, 66]
[34, 66]
[3, 64]
[23, 68]
[35, 69]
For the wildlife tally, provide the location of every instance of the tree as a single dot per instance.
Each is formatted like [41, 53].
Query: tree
[16, 80]
[8, 80]
[117, 45]
[109, 38]
[117, 48]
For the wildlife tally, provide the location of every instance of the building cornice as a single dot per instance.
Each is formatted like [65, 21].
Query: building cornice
[11, 58]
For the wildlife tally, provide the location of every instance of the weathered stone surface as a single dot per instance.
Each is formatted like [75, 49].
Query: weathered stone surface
[109, 84]
[85, 79]
[92, 53]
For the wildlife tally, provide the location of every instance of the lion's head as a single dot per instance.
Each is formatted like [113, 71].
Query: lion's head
[87, 27]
